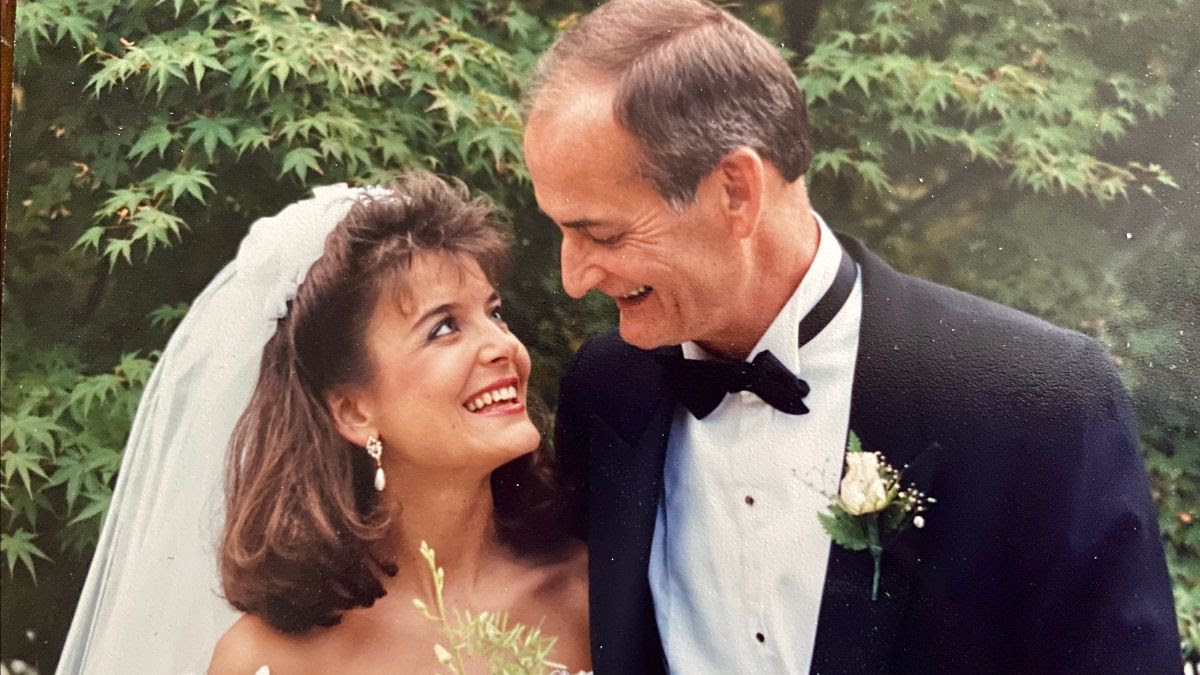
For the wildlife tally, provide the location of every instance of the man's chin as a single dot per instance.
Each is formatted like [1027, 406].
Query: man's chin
[635, 334]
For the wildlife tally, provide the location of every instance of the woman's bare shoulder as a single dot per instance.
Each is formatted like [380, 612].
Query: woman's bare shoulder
[250, 644]
[565, 583]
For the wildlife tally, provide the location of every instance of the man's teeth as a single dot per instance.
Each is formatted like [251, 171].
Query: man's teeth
[488, 398]
[637, 292]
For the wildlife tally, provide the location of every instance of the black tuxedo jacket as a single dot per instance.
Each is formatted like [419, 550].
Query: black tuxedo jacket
[1042, 554]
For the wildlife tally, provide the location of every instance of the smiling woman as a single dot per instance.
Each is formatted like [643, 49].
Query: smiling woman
[394, 360]
[389, 409]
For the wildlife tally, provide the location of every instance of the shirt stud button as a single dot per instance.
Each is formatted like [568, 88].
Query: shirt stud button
[760, 637]
[749, 500]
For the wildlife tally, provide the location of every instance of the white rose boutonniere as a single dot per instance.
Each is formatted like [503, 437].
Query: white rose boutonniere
[872, 506]
[863, 488]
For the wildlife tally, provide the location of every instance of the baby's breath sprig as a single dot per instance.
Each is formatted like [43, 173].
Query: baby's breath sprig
[486, 636]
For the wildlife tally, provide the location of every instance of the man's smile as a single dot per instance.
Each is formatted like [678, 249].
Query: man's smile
[635, 296]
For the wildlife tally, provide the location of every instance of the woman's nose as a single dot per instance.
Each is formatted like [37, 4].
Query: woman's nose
[499, 344]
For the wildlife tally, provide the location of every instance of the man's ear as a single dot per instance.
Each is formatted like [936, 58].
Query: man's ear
[741, 174]
[350, 414]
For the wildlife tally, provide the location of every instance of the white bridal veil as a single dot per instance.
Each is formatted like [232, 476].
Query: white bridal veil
[152, 601]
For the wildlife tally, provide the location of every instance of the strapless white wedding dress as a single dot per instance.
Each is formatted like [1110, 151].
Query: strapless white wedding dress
[267, 670]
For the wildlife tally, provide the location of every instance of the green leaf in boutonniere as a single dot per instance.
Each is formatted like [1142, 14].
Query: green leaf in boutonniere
[872, 506]
[846, 530]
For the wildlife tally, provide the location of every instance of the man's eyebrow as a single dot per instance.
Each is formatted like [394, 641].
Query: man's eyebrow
[579, 224]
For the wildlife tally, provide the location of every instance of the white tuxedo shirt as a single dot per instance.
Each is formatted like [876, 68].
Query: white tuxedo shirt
[738, 558]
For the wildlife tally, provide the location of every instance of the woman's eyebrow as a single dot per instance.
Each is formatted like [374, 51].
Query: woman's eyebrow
[444, 308]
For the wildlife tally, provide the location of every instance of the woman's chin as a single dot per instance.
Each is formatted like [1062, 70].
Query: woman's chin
[523, 439]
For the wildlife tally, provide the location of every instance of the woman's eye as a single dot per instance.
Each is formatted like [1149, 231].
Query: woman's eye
[444, 327]
[497, 315]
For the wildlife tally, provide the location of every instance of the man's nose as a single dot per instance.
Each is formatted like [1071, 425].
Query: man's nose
[579, 272]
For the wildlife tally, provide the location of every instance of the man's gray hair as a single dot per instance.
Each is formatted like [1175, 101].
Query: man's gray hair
[693, 83]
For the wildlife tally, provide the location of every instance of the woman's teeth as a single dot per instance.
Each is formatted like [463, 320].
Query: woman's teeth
[492, 397]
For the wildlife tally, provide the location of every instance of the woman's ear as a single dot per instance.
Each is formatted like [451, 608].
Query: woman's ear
[350, 414]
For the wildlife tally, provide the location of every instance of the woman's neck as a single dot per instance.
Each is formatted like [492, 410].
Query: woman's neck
[455, 518]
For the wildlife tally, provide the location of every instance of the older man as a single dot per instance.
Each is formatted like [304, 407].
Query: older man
[669, 143]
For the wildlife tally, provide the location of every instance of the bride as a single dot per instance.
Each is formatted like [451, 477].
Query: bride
[390, 409]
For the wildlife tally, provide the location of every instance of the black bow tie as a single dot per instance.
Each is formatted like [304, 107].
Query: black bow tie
[701, 385]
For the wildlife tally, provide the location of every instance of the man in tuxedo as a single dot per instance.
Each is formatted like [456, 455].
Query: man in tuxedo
[669, 143]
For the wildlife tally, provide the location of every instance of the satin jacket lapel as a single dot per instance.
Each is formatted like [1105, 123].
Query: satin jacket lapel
[625, 468]
[854, 633]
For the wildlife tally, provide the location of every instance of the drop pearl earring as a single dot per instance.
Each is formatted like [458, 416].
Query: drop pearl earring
[375, 450]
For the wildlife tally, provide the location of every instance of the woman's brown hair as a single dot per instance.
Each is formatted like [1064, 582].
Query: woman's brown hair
[302, 516]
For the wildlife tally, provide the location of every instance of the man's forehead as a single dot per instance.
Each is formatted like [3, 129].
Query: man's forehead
[573, 108]
[578, 152]
[576, 91]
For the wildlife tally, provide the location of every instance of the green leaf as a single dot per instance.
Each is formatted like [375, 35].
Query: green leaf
[90, 238]
[456, 106]
[77, 25]
[84, 472]
[24, 464]
[251, 138]
[28, 430]
[155, 226]
[157, 137]
[96, 388]
[117, 249]
[209, 133]
[861, 71]
[19, 547]
[853, 444]
[166, 316]
[181, 181]
[420, 15]
[833, 159]
[519, 24]
[126, 200]
[500, 141]
[844, 529]
[97, 505]
[133, 369]
[300, 161]
[872, 174]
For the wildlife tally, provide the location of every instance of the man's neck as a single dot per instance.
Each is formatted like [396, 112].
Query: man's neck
[782, 254]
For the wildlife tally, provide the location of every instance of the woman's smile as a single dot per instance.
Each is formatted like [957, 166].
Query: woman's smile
[499, 398]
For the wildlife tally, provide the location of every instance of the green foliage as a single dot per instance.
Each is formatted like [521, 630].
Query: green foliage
[1010, 85]
[299, 91]
[62, 446]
